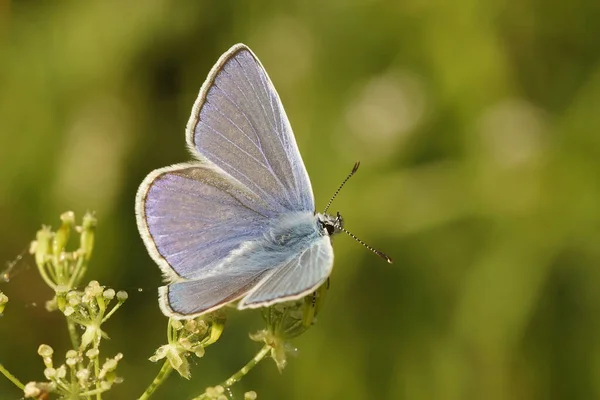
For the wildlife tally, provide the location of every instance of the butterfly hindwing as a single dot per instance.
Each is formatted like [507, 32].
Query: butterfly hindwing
[294, 279]
[187, 299]
[256, 275]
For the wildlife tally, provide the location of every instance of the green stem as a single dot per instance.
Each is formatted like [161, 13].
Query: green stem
[243, 371]
[78, 272]
[71, 385]
[169, 331]
[246, 368]
[112, 311]
[72, 333]
[45, 277]
[11, 377]
[92, 392]
[97, 371]
[162, 375]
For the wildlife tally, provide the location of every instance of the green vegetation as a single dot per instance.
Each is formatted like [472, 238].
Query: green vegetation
[476, 124]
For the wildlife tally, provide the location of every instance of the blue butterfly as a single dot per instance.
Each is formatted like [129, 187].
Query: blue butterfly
[239, 223]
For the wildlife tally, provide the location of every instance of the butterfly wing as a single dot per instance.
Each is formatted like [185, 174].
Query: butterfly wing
[188, 299]
[294, 279]
[246, 275]
[192, 217]
[239, 124]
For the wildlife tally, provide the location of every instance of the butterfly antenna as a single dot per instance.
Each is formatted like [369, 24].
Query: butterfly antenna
[354, 169]
[379, 253]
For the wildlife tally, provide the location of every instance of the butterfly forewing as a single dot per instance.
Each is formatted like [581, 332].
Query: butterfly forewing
[239, 124]
[192, 217]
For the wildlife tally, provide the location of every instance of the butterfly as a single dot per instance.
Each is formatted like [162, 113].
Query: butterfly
[239, 222]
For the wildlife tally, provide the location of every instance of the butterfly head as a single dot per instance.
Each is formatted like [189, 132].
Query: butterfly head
[329, 224]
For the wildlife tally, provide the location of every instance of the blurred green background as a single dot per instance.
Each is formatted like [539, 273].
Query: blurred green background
[477, 125]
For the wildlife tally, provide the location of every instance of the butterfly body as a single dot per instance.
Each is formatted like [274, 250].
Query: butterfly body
[282, 241]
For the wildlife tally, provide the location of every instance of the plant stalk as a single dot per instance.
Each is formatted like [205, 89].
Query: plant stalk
[242, 372]
[162, 375]
[11, 377]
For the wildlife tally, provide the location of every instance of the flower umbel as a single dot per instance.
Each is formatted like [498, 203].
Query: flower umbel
[89, 308]
[83, 374]
[189, 337]
[284, 321]
[78, 377]
[57, 266]
[288, 320]
[219, 393]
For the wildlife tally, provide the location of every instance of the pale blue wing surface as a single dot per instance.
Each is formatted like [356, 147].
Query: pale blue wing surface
[290, 259]
[192, 217]
[190, 298]
[238, 123]
[295, 278]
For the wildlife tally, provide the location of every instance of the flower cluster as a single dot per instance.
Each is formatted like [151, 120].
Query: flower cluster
[78, 377]
[288, 320]
[89, 308]
[189, 337]
[57, 266]
[83, 374]
[218, 393]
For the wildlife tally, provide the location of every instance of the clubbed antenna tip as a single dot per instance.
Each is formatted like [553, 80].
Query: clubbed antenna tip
[379, 253]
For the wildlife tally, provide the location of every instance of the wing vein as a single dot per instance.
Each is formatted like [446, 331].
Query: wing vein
[267, 167]
[278, 127]
[245, 176]
[243, 112]
[239, 148]
[265, 114]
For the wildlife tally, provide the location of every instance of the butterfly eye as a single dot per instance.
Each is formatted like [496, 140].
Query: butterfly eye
[330, 229]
